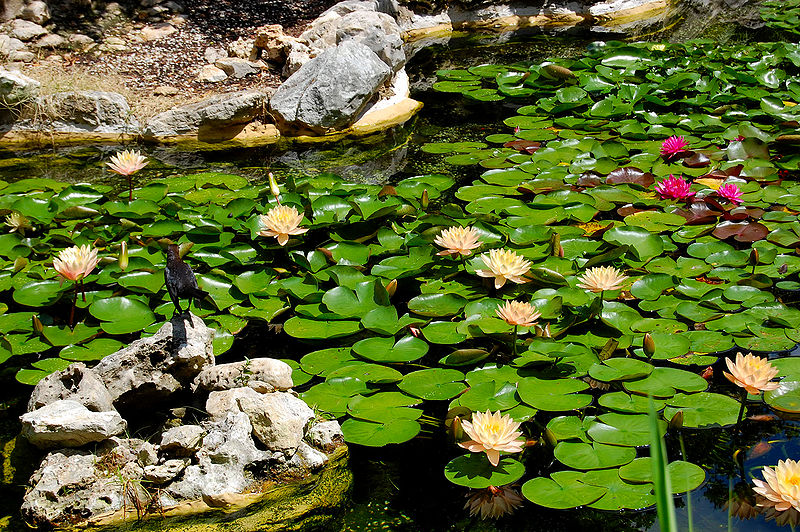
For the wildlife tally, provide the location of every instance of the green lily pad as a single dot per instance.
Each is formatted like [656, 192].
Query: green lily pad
[561, 491]
[474, 471]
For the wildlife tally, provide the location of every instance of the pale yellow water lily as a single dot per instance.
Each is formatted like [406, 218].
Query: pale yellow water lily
[752, 373]
[601, 278]
[492, 433]
[780, 488]
[458, 240]
[127, 162]
[75, 263]
[493, 502]
[504, 265]
[280, 222]
[518, 313]
[17, 222]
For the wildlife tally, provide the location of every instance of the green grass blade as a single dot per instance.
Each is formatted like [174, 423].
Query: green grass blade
[664, 502]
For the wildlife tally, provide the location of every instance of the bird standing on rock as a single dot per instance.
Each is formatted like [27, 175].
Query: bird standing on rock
[179, 279]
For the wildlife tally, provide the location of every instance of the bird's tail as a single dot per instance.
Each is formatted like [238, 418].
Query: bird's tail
[197, 293]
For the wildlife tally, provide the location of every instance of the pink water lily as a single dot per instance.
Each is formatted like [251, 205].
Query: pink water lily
[731, 193]
[674, 188]
[673, 146]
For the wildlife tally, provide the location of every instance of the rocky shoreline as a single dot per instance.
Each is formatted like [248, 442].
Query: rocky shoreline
[232, 442]
[343, 75]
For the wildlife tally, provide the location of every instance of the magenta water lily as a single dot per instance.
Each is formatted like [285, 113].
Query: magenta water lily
[673, 146]
[674, 188]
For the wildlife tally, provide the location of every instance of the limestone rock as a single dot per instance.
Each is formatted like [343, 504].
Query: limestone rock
[279, 419]
[238, 68]
[275, 44]
[51, 41]
[166, 90]
[326, 435]
[78, 383]
[36, 11]
[243, 48]
[332, 89]
[16, 88]
[307, 457]
[262, 374]
[230, 441]
[378, 31]
[212, 54]
[22, 56]
[208, 480]
[157, 31]
[68, 423]
[128, 450]
[151, 369]
[67, 487]
[184, 440]
[160, 474]
[10, 44]
[211, 74]
[216, 112]
[114, 44]
[25, 30]
[80, 111]
[81, 42]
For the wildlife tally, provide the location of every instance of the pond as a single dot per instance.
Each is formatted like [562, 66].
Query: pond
[630, 203]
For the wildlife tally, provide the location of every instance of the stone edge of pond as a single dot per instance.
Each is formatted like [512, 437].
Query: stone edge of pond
[306, 503]
[241, 120]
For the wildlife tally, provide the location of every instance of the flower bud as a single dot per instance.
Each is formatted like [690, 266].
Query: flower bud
[273, 187]
[649, 345]
[753, 257]
[38, 326]
[391, 288]
[123, 255]
[677, 420]
[425, 200]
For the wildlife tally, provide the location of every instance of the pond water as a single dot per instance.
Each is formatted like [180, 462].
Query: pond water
[694, 285]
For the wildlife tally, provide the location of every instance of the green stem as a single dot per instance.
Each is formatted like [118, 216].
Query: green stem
[514, 342]
[688, 493]
[741, 408]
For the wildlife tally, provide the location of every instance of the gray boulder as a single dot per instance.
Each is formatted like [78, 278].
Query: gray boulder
[378, 31]
[151, 369]
[230, 441]
[36, 11]
[199, 481]
[10, 44]
[326, 435]
[237, 67]
[280, 420]
[160, 474]
[16, 88]
[184, 440]
[332, 89]
[307, 457]
[216, 112]
[68, 423]
[261, 374]
[67, 487]
[25, 30]
[82, 111]
[78, 383]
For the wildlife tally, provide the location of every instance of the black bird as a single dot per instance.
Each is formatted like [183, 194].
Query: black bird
[180, 280]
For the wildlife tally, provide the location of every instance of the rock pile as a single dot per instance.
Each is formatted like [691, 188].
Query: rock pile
[255, 430]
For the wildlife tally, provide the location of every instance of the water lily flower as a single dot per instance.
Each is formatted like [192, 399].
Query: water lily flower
[17, 222]
[75, 263]
[601, 278]
[752, 373]
[780, 487]
[280, 222]
[518, 313]
[493, 502]
[504, 265]
[673, 146]
[127, 162]
[731, 193]
[458, 240]
[273, 187]
[674, 188]
[492, 433]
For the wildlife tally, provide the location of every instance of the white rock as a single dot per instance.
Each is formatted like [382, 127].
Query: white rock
[68, 423]
[16, 88]
[25, 30]
[211, 74]
[36, 11]
[184, 440]
[262, 374]
[326, 435]
[157, 31]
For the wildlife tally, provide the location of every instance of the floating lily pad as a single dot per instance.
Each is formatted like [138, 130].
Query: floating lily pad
[473, 470]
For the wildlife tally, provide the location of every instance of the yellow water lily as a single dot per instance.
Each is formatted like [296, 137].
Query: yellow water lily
[280, 222]
[504, 265]
[492, 433]
[601, 278]
[458, 240]
[752, 373]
